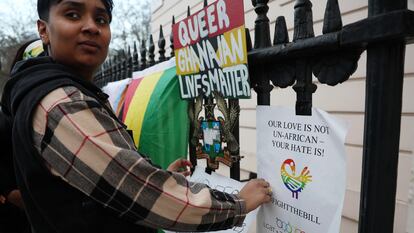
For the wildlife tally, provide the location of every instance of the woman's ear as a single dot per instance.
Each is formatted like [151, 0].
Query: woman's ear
[43, 32]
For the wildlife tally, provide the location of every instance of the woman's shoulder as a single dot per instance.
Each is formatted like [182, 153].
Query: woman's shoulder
[61, 102]
[62, 95]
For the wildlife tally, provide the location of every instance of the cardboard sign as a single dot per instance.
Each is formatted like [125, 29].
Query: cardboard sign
[303, 158]
[210, 51]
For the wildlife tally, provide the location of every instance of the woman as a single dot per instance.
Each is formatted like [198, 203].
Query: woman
[76, 165]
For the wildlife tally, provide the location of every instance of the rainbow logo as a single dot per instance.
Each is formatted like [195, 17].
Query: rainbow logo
[294, 183]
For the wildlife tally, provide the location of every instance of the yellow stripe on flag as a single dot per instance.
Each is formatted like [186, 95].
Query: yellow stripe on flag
[136, 111]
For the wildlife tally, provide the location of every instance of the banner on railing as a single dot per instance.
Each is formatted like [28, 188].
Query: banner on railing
[210, 51]
[303, 158]
[150, 105]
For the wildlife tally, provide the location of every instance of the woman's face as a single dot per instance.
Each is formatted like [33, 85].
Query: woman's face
[78, 34]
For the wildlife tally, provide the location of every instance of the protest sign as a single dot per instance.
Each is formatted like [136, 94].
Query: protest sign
[303, 158]
[210, 51]
[224, 184]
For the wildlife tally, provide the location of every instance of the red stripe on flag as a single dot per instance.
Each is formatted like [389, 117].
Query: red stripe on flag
[129, 95]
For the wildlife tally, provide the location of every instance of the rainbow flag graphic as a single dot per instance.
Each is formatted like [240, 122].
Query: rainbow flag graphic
[295, 183]
[152, 108]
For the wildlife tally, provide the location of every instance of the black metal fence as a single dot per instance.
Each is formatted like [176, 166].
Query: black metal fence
[331, 57]
[124, 64]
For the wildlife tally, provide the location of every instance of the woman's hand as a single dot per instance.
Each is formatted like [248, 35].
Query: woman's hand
[255, 193]
[15, 198]
[2, 200]
[180, 166]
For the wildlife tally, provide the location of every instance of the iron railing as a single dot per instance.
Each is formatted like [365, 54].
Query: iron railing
[331, 57]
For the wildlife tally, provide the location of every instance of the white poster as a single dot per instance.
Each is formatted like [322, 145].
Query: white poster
[224, 184]
[303, 158]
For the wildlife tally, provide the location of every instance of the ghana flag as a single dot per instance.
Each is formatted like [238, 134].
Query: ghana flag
[153, 109]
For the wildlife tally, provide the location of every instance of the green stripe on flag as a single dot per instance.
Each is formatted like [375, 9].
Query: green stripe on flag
[164, 134]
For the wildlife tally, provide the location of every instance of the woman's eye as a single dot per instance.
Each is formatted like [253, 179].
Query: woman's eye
[73, 15]
[102, 20]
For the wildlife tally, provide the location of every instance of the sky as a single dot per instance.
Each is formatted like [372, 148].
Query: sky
[16, 4]
[8, 8]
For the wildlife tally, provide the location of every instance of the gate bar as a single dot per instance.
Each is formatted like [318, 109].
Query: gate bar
[384, 82]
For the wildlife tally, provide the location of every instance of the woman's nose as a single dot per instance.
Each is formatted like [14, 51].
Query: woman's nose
[90, 26]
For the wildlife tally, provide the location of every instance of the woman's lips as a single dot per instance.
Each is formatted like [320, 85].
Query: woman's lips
[90, 46]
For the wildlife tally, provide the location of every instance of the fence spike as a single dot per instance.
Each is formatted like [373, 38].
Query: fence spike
[188, 11]
[151, 54]
[260, 82]
[254, 3]
[332, 21]
[109, 70]
[130, 64]
[281, 32]
[135, 62]
[262, 28]
[119, 67]
[106, 69]
[143, 52]
[124, 73]
[205, 3]
[248, 40]
[161, 46]
[113, 69]
[103, 70]
[303, 20]
[172, 38]
[249, 47]
[284, 74]
[98, 76]
[304, 87]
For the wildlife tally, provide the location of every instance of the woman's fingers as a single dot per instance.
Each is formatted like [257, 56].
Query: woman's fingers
[185, 162]
[263, 182]
[268, 198]
[181, 166]
[186, 173]
[255, 193]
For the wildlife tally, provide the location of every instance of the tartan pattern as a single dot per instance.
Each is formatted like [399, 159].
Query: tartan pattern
[81, 143]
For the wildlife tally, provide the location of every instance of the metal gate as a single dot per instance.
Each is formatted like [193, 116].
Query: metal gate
[331, 57]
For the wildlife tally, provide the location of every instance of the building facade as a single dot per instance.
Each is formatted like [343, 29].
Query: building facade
[346, 101]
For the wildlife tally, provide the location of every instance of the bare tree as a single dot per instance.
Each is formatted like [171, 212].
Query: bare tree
[15, 30]
[131, 23]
